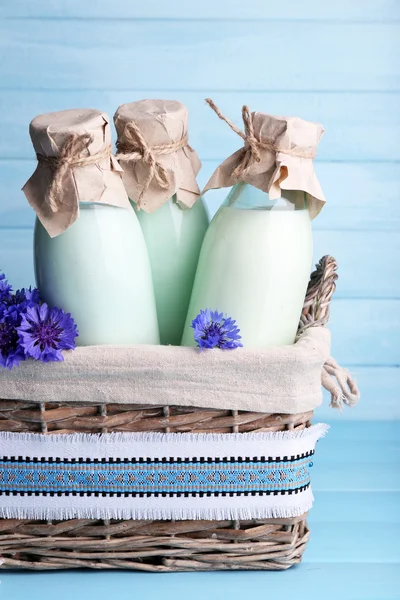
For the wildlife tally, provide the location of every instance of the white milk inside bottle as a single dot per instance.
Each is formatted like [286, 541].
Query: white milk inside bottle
[87, 270]
[159, 173]
[90, 254]
[173, 238]
[255, 264]
[256, 257]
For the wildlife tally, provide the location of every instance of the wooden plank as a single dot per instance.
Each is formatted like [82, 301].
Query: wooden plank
[349, 459]
[369, 200]
[287, 10]
[205, 55]
[365, 331]
[16, 257]
[347, 443]
[355, 466]
[379, 385]
[368, 261]
[326, 543]
[334, 476]
[361, 455]
[309, 581]
[14, 208]
[380, 397]
[355, 507]
[359, 126]
[376, 434]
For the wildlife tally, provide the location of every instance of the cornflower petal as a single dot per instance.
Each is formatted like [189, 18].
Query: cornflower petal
[213, 330]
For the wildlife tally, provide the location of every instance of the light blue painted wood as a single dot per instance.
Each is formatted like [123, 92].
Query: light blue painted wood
[366, 332]
[359, 126]
[16, 256]
[310, 581]
[342, 10]
[347, 50]
[14, 208]
[355, 507]
[361, 477]
[360, 195]
[374, 434]
[369, 199]
[326, 543]
[368, 261]
[380, 397]
[380, 386]
[74, 54]
[332, 450]
[348, 459]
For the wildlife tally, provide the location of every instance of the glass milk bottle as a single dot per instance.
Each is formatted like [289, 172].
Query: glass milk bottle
[87, 236]
[256, 258]
[160, 172]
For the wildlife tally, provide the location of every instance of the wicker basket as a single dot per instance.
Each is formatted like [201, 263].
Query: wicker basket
[159, 546]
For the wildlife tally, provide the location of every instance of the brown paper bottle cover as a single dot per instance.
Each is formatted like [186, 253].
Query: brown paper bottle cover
[75, 164]
[278, 154]
[155, 155]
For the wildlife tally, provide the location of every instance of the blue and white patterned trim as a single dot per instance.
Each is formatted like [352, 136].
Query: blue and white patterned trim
[149, 476]
[131, 477]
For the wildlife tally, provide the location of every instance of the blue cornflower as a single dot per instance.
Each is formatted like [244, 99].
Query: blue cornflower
[29, 328]
[44, 332]
[5, 290]
[27, 297]
[11, 351]
[21, 300]
[213, 330]
[11, 308]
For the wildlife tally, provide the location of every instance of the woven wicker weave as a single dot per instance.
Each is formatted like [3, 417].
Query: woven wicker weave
[160, 546]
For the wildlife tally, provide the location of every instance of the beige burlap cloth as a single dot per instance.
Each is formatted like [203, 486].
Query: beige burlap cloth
[154, 152]
[75, 164]
[286, 379]
[277, 154]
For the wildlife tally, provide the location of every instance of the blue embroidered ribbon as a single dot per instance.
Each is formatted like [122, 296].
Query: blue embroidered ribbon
[203, 476]
[154, 475]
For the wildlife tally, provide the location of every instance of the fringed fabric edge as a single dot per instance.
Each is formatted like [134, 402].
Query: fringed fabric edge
[316, 431]
[275, 511]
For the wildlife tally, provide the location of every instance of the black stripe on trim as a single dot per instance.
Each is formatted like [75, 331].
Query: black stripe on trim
[164, 460]
[96, 494]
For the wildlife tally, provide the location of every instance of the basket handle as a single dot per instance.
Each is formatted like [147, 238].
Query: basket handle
[316, 309]
[320, 290]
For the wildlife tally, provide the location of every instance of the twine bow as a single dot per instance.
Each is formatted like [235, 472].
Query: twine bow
[70, 157]
[134, 148]
[252, 145]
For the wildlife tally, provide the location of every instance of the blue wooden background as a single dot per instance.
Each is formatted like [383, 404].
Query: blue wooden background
[337, 63]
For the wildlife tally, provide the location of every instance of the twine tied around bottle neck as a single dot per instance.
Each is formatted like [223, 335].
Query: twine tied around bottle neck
[70, 157]
[134, 148]
[252, 145]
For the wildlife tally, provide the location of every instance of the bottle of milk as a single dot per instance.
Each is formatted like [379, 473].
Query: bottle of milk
[160, 171]
[256, 257]
[90, 255]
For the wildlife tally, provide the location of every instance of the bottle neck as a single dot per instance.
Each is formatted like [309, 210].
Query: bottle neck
[244, 196]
